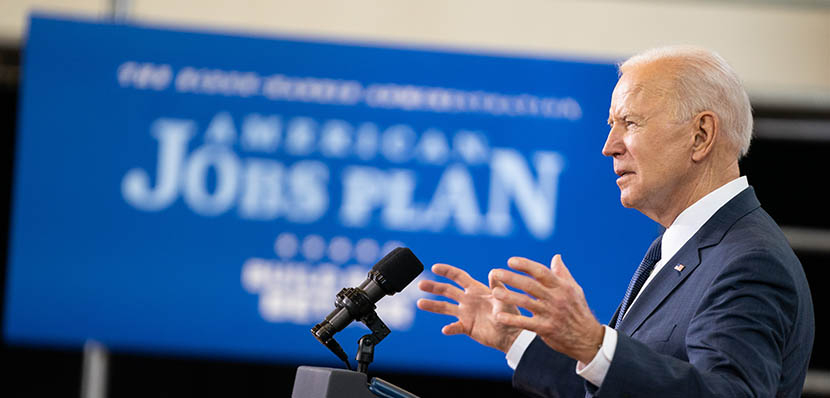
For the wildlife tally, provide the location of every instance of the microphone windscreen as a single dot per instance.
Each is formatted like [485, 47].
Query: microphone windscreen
[398, 268]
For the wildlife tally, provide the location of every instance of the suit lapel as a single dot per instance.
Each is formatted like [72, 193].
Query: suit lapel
[667, 280]
[661, 287]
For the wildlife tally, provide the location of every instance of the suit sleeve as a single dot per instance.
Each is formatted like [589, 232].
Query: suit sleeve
[543, 372]
[735, 340]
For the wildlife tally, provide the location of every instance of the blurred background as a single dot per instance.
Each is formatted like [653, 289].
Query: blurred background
[780, 48]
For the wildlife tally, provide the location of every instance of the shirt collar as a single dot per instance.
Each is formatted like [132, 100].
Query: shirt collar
[690, 220]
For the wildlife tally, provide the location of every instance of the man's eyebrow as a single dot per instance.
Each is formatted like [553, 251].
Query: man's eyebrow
[612, 117]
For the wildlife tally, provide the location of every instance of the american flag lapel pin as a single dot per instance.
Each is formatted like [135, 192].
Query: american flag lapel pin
[679, 267]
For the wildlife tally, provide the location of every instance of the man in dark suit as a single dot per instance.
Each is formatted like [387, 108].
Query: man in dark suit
[719, 306]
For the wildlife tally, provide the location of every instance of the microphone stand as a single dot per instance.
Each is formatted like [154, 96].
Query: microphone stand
[354, 303]
[312, 382]
[366, 344]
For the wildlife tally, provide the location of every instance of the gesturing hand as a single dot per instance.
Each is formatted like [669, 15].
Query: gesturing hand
[561, 316]
[476, 310]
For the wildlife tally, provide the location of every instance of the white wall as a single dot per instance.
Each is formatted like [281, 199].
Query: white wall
[782, 52]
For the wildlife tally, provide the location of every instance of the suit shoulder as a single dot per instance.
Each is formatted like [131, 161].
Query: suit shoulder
[757, 234]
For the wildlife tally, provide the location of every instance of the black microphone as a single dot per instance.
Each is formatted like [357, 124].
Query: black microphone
[389, 276]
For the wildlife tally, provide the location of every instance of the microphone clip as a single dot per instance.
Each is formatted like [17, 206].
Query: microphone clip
[360, 307]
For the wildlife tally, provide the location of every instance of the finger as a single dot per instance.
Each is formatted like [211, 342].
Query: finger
[522, 282]
[457, 275]
[442, 289]
[453, 328]
[559, 269]
[519, 321]
[537, 271]
[518, 299]
[438, 307]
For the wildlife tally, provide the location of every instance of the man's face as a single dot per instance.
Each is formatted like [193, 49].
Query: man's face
[650, 148]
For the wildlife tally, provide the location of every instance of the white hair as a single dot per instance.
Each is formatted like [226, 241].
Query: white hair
[704, 81]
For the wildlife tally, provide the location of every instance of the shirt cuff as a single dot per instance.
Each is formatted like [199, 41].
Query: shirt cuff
[514, 354]
[596, 370]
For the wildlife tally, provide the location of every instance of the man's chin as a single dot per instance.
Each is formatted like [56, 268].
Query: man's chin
[627, 205]
[626, 200]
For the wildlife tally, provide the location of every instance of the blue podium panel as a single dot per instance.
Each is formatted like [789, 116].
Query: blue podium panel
[209, 194]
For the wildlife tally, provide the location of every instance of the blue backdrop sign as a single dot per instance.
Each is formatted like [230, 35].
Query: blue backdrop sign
[209, 194]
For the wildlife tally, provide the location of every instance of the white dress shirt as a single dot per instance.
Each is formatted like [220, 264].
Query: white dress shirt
[676, 235]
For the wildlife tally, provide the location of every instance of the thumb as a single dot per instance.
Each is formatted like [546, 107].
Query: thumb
[559, 269]
[493, 282]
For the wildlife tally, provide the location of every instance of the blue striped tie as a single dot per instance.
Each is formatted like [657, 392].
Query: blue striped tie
[643, 271]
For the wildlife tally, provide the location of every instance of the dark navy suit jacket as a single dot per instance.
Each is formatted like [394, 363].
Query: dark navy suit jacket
[737, 321]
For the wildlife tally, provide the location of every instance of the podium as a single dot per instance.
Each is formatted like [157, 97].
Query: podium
[318, 382]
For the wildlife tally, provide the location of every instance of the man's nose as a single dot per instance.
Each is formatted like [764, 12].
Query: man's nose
[613, 143]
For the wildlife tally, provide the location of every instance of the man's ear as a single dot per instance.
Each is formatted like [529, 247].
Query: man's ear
[706, 129]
